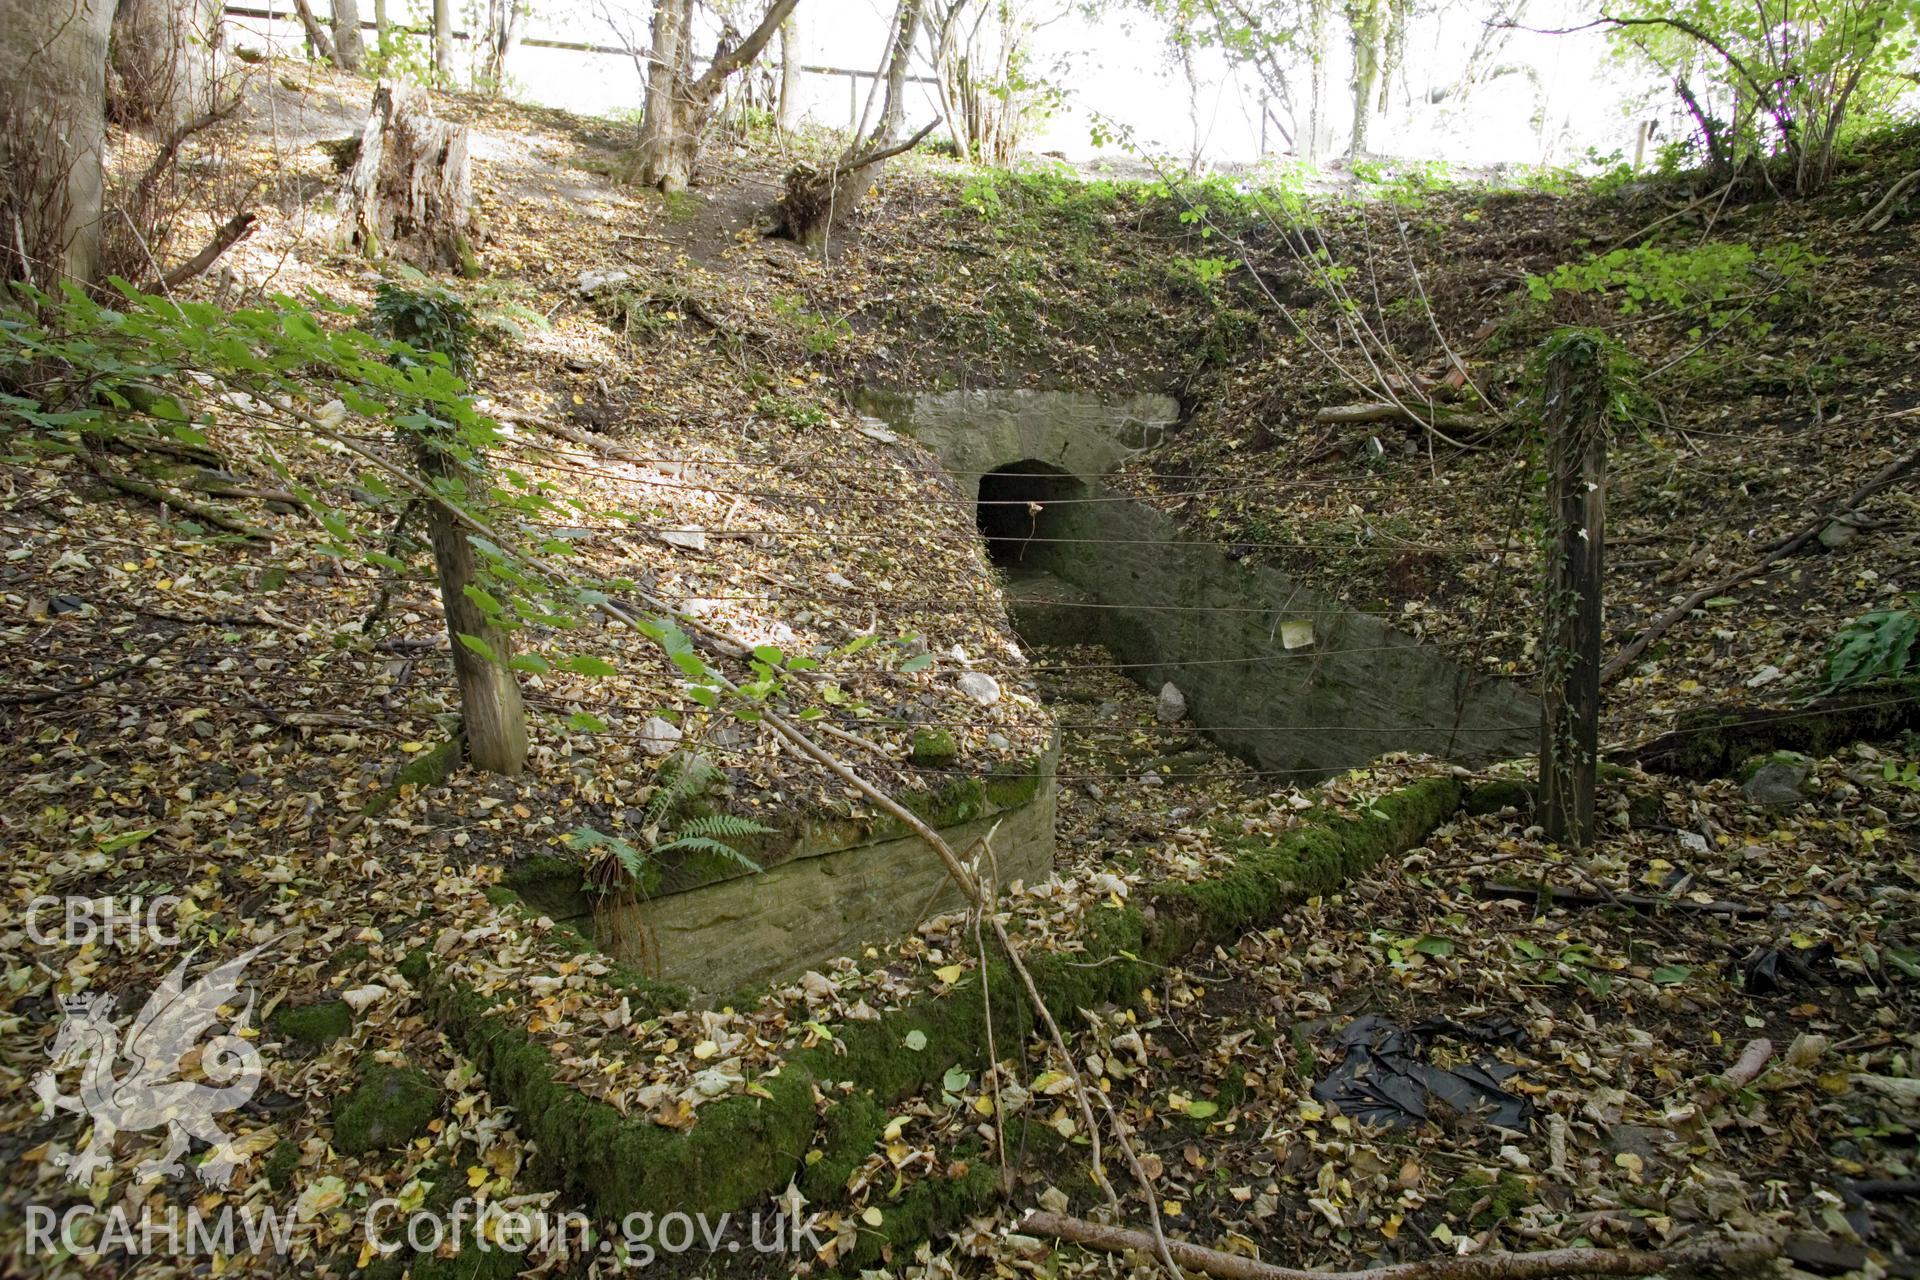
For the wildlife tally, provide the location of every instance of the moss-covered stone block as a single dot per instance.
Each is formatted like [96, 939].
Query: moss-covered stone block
[390, 1107]
[743, 1148]
[1713, 743]
[1311, 859]
[1496, 797]
[312, 1024]
[932, 746]
[966, 1186]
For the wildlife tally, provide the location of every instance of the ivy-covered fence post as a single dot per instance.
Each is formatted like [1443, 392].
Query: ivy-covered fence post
[1576, 394]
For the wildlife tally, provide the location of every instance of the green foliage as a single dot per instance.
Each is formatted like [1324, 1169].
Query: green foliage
[819, 334]
[1601, 377]
[1711, 285]
[982, 195]
[792, 410]
[400, 54]
[1875, 646]
[1406, 184]
[427, 318]
[345, 413]
[666, 828]
[1761, 83]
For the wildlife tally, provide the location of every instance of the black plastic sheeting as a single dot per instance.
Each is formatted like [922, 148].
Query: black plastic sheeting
[1385, 1078]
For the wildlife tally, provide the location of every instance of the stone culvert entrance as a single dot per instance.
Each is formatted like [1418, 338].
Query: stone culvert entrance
[1276, 672]
[1022, 509]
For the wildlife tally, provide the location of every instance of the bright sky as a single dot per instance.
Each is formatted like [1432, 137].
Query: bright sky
[1117, 69]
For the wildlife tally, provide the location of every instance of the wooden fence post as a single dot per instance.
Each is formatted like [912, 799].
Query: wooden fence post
[1576, 392]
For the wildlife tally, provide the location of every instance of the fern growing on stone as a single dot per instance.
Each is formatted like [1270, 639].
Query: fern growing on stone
[620, 865]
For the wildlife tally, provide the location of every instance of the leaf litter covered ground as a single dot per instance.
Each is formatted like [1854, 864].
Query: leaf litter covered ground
[230, 767]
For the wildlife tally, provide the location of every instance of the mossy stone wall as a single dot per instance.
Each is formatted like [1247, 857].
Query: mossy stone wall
[831, 898]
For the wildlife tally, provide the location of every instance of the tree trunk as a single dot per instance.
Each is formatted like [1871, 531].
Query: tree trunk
[490, 707]
[899, 61]
[1365, 27]
[443, 41]
[410, 190]
[814, 203]
[53, 91]
[380, 22]
[1394, 48]
[506, 24]
[677, 105]
[164, 65]
[349, 48]
[1319, 126]
[1575, 399]
[661, 160]
[319, 39]
[789, 74]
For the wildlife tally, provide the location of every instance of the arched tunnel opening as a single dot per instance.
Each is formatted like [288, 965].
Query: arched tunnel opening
[1020, 510]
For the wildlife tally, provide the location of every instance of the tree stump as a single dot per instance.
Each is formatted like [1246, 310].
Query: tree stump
[409, 193]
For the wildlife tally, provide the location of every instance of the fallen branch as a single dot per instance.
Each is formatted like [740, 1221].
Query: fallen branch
[179, 502]
[885, 153]
[231, 232]
[1882, 213]
[1638, 901]
[1630, 651]
[78, 686]
[1705, 1255]
[1386, 411]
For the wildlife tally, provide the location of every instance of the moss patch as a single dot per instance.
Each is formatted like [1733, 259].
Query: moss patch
[1488, 1198]
[390, 1107]
[932, 746]
[281, 1164]
[427, 769]
[312, 1024]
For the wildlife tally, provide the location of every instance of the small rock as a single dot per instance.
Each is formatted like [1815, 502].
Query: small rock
[1094, 790]
[592, 281]
[1172, 706]
[840, 581]
[874, 429]
[1764, 676]
[1779, 781]
[979, 686]
[658, 736]
[1152, 780]
[998, 741]
[1837, 535]
[685, 539]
